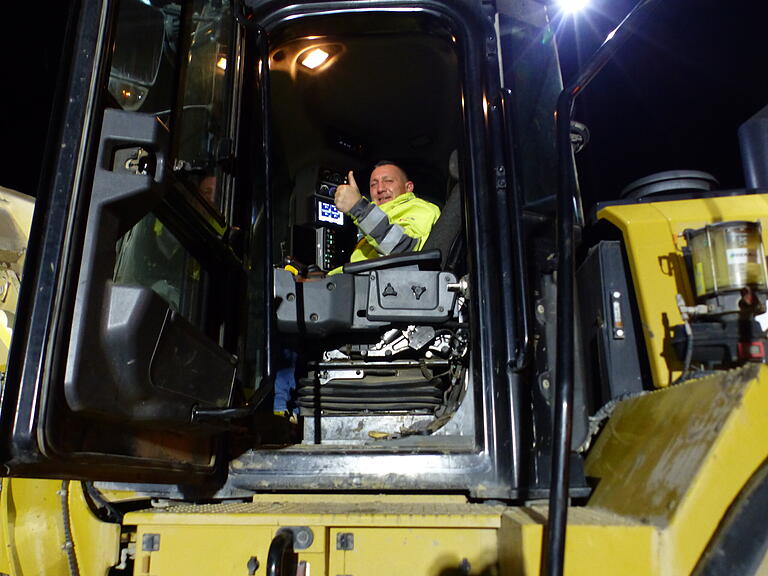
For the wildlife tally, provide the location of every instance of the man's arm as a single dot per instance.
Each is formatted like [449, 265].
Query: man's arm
[386, 237]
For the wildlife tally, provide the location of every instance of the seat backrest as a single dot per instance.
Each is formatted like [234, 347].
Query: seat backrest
[447, 233]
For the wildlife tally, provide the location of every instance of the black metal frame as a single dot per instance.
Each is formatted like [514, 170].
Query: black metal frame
[41, 298]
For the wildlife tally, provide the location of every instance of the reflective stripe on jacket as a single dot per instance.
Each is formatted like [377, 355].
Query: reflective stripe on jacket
[401, 225]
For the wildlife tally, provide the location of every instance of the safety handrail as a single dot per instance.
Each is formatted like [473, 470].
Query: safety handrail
[568, 200]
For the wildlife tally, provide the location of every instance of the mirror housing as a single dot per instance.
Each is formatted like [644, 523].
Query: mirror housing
[135, 65]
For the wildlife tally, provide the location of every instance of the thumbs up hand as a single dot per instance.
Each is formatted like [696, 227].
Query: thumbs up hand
[347, 195]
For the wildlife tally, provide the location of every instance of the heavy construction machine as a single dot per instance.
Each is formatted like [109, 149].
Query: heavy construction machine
[546, 387]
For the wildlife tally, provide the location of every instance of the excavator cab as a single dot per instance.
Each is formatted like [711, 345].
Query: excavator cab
[200, 150]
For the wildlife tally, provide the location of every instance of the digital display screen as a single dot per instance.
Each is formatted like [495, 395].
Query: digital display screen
[328, 213]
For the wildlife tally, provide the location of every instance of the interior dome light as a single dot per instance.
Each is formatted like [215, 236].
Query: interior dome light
[221, 63]
[314, 58]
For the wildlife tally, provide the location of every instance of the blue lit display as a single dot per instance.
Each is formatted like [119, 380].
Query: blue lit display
[327, 212]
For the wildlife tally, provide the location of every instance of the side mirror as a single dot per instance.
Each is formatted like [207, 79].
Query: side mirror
[579, 136]
[138, 47]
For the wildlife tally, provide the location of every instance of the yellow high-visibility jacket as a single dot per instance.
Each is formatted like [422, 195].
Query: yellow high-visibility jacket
[401, 225]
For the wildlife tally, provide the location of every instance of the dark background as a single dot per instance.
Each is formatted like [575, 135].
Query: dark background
[672, 99]
[674, 96]
[30, 59]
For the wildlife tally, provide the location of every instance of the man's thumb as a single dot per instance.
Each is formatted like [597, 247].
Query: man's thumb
[351, 179]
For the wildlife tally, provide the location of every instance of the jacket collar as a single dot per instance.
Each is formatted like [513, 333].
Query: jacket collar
[399, 200]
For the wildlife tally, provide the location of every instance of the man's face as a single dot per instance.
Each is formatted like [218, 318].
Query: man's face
[387, 183]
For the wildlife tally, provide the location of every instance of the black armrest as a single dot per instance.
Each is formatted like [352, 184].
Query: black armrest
[393, 261]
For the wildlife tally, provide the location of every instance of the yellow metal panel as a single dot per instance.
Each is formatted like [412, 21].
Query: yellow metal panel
[416, 551]
[184, 550]
[9, 562]
[33, 538]
[597, 543]
[677, 458]
[399, 536]
[654, 248]
[190, 550]
[97, 543]
[33, 527]
[391, 535]
[329, 510]
[434, 530]
[5, 341]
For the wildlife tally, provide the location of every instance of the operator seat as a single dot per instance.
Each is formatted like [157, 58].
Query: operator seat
[408, 302]
[370, 294]
[446, 234]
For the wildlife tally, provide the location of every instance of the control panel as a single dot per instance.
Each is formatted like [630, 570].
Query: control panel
[329, 251]
[328, 180]
[326, 237]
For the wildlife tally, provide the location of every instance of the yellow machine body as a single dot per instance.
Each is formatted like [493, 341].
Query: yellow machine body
[16, 211]
[667, 467]
[653, 237]
[46, 524]
[665, 470]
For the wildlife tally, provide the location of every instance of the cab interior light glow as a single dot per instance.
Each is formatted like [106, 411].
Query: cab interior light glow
[314, 58]
[221, 63]
[573, 6]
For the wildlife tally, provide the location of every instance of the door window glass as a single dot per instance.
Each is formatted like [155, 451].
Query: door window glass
[203, 118]
[532, 73]
[150, 255]
[156, 48]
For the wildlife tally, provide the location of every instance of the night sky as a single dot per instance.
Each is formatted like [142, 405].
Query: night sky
[673, 99]
[31, 57]
[675, 95]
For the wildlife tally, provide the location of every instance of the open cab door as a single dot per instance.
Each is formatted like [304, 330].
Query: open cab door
[121, 331]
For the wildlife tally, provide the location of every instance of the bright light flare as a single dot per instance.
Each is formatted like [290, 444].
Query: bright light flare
[221, 63]
[314, 58]
[573, 6]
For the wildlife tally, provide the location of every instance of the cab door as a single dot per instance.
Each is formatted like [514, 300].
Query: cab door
[125, 329]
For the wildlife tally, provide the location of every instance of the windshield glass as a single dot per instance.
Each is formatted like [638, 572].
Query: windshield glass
[532, 73]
